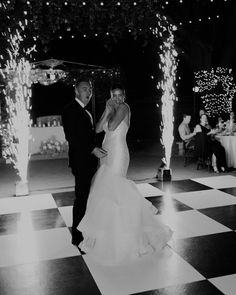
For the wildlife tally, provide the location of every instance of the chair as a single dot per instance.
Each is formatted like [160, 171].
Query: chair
[189, 153]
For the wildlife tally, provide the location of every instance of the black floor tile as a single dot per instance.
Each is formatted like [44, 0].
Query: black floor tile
[179, 186]
[231, 191]
[9, 223]
[45, 219]
[66, 276]
[224, 215]
[195, 288]
[163, 203]
[211, 255]
[40, 219]
[64, 199]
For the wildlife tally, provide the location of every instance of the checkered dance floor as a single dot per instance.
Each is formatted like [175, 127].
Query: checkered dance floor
[37, 257]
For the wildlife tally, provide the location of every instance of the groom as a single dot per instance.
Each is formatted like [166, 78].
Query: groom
[83, 153]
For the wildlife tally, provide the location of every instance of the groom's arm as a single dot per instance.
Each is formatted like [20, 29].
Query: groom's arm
[78, 133]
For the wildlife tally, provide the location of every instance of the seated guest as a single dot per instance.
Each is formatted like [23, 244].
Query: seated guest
[202, 112]
[185, 133]
[220, 124]
[232, 116]
[230, 124]
[207, 146]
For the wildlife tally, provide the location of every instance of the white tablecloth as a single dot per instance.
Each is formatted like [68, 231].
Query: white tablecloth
[229, 143]
[39, 134]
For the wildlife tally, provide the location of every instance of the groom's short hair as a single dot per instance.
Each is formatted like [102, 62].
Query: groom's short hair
[82, 79]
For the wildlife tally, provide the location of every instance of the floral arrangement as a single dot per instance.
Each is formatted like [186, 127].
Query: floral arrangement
[53, 147]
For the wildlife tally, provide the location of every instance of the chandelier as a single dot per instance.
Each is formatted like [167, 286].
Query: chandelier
[47, 77]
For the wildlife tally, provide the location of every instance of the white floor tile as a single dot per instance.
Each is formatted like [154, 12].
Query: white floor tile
[224, 181]
[191, 223]
[226, 284]
[205, 199]
[153, 272]
[27, 203]
[148, 190]
[66, 213]
[34, 246]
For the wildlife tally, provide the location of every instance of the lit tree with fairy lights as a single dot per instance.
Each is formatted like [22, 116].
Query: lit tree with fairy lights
[217, 90]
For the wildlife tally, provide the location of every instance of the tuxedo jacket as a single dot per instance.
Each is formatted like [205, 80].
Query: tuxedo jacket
[80, 134]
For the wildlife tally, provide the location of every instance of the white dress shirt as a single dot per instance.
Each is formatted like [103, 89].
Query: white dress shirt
[83, 106]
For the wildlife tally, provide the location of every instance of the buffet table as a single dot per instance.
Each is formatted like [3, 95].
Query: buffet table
[40, 134]
[229, 143]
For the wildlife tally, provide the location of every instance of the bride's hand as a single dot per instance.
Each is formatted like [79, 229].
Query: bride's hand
[110, 106]
[108, 109]
[110, 102]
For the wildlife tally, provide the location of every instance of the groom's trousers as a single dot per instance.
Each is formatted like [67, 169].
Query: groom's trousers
[83, 179]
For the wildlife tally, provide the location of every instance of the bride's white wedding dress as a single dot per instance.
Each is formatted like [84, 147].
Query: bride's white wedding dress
[119, 224]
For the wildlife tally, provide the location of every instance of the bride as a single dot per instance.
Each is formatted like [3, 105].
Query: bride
[119, 224]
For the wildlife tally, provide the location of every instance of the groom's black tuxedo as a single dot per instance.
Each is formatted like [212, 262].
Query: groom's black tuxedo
[79, 133]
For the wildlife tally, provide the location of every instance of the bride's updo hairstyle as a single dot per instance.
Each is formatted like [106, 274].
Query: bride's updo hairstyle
[118, 86]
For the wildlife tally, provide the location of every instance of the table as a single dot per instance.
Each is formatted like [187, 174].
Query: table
[229, 143]
[39, 134]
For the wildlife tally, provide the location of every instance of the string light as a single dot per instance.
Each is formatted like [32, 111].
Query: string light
[199, 19]
[181, 2]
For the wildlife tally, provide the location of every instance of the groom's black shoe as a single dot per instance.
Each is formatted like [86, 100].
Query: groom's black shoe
[76, 237]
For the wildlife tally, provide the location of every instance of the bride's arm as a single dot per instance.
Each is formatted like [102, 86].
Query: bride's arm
[105, 117]
[119, 116]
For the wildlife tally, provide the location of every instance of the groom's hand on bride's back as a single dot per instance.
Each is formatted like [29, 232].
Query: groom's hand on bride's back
[99, 152]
